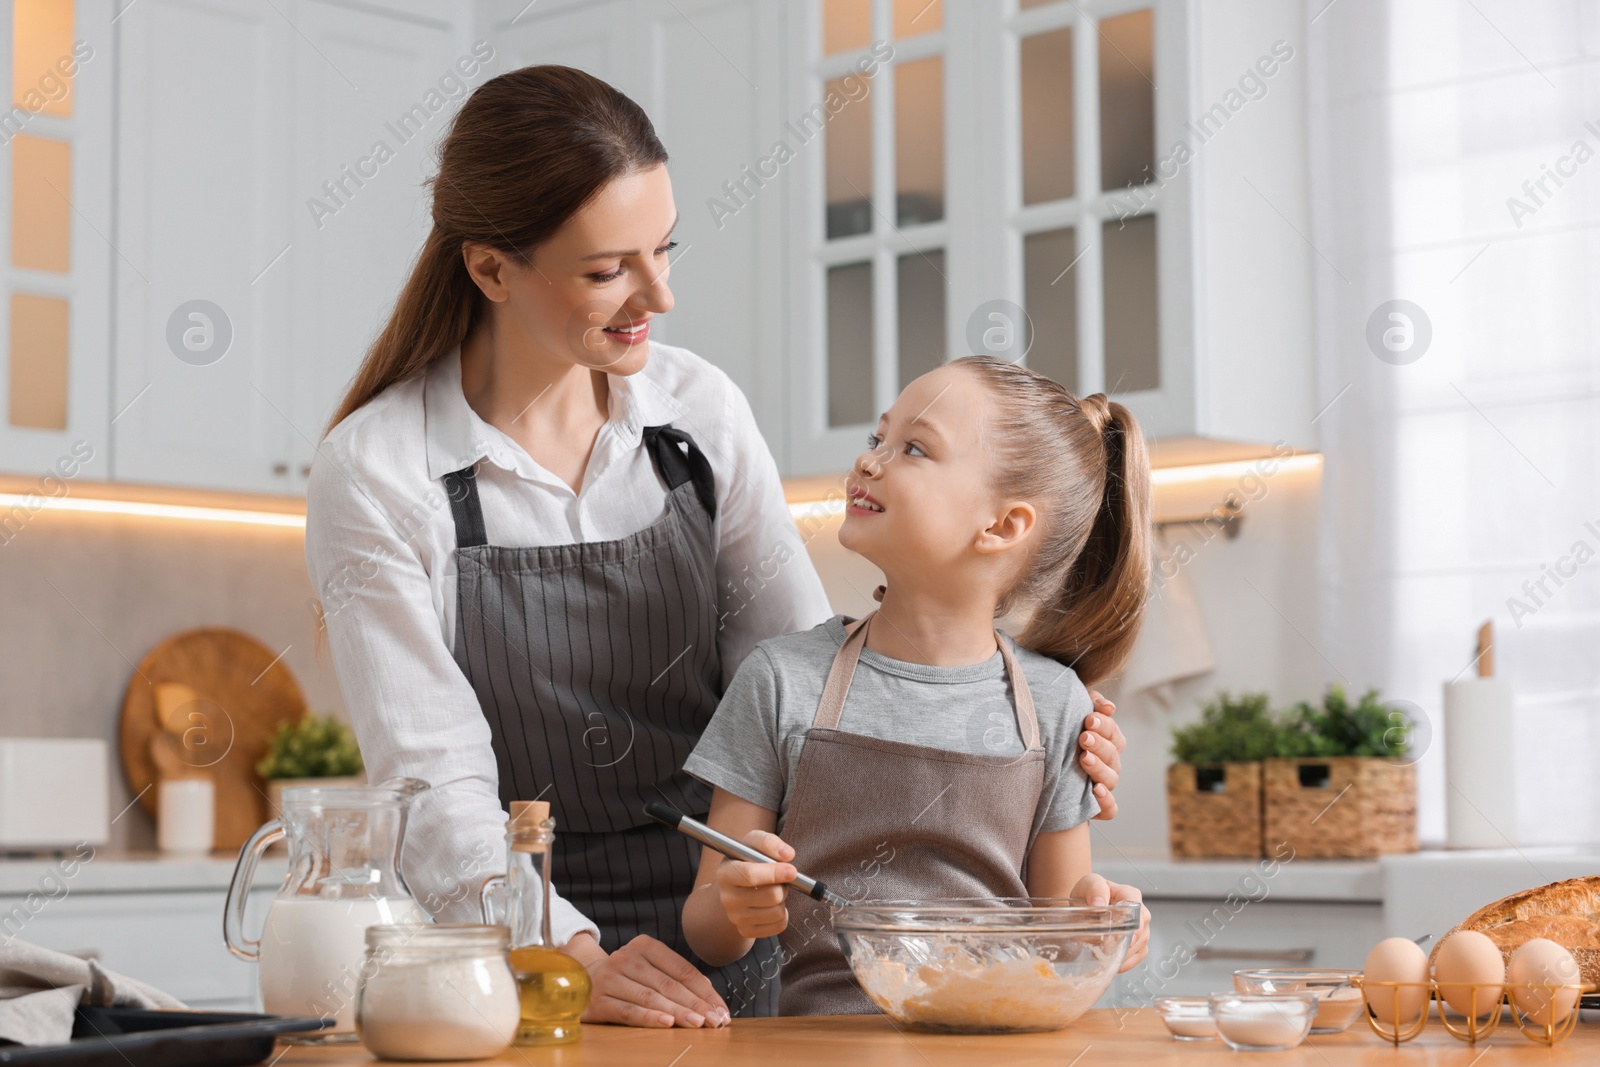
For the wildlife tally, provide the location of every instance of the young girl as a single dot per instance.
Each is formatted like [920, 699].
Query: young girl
[919, 752]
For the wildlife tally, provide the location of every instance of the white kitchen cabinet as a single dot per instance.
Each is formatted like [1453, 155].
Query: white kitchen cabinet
[1196, 945]
[236, 118]
[983, 219]
[358, 223]
[1180, 290]
[56, 233]
[171, 940]
[710, 75]
[203, 189]
[232, 117]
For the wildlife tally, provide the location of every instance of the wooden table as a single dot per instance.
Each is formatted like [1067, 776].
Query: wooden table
[1101, 1037]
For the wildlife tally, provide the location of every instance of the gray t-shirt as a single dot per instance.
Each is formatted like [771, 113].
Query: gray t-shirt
[752, 745]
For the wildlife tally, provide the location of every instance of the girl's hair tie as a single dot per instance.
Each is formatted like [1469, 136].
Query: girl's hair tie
[1097, 409]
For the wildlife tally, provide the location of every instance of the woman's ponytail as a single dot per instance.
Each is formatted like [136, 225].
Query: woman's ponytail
[435, 310]
[1084, 464]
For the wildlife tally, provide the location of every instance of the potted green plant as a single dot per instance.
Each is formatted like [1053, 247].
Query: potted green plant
[1339, 784]
[316, 750]
[1214, 787]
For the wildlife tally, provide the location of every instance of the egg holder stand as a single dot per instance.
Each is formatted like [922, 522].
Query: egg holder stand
[1478, 1026]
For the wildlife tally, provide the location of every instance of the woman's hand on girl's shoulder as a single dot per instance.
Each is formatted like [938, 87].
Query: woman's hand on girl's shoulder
[1101, 757]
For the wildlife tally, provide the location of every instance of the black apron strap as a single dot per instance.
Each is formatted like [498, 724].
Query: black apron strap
[679, 459]
[462, 488]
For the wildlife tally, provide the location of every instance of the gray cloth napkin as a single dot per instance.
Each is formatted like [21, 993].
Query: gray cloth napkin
[40, 988]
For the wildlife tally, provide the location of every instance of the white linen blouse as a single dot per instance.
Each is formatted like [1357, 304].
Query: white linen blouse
[380, 546]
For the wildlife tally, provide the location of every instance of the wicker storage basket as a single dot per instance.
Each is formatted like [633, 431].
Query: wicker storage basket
[1345, 807]
[1214, 810]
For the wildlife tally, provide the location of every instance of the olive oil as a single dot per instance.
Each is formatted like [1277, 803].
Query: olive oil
[553, 987]
[555, 991]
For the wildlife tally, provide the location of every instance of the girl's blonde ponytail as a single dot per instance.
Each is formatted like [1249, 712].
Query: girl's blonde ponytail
[1094, 618]
[1084, 464]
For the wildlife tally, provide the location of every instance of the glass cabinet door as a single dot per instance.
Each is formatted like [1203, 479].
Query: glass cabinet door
[1088, 214]
[55, 138]
[872, 127]
[988, 180]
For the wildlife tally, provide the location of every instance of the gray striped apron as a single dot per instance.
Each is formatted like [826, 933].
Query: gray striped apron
[597, 668]
[888, 820]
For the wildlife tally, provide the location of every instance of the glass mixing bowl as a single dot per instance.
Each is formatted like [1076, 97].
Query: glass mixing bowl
[985, 965]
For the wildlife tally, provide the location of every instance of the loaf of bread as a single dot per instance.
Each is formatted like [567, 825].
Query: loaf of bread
[1567, 913]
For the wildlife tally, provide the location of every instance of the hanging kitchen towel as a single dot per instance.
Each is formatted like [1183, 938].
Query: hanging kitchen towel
[1173, 644]
[1548, 659]
[41, 988]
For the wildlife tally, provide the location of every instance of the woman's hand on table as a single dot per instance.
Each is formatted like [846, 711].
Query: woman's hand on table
[1094, 889]
[645, 983]
[1102, 743]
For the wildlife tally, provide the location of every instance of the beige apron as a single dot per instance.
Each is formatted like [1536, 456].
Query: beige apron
[887, 820]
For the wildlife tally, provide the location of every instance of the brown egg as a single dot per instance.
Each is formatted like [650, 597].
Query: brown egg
[1396, 960]
[1470, 973]
[1542, 962]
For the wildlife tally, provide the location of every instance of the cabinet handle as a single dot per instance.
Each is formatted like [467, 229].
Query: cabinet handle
[280, 469]
[305, 471]
[1266, 955]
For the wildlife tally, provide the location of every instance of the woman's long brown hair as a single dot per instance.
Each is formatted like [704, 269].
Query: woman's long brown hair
[525, 152]
[1082, 462]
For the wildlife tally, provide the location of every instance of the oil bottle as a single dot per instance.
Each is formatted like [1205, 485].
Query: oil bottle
[553, 986]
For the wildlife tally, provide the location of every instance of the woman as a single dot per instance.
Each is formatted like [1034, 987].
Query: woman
[524, 527]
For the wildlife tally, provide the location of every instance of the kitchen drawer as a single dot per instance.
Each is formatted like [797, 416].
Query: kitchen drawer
[1196, 945]
[170, 940]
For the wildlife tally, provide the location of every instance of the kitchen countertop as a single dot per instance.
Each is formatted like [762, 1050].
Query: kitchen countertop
[1433, 890]
[107, 871]
[1103, 1036]
[1160, 877]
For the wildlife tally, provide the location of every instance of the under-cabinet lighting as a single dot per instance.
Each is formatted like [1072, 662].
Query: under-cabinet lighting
[1265, 467]
[831, 504]
[34, 502]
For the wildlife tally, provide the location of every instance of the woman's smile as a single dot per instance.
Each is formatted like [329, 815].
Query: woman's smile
[637, 333]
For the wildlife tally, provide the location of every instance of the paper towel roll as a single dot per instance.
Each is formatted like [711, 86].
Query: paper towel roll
[1480, 779]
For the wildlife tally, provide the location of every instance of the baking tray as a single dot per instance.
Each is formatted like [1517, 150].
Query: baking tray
[136, 1037]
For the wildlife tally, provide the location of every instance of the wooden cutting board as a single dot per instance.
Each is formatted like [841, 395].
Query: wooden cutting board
[238, 692]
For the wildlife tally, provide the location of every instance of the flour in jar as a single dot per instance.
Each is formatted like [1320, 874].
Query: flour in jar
[448, 1009]
[311, 953]
[1020, 994]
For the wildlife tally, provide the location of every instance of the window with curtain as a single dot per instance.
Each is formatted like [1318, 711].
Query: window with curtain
[1457, 162]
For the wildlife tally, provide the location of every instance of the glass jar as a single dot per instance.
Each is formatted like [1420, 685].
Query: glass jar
[437, 991]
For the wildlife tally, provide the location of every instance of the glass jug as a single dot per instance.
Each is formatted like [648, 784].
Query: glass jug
[344, 875]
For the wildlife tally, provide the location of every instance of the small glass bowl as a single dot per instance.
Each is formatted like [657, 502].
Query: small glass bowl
[1189, 1018]
[1263, 1022]
[1338, 1000]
